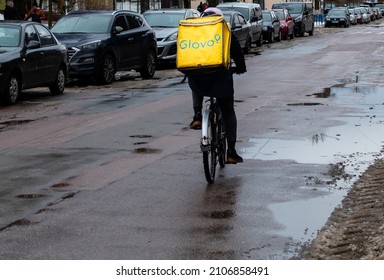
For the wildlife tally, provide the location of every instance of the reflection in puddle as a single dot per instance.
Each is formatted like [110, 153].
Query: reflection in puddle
[303, 219]
[356, 145]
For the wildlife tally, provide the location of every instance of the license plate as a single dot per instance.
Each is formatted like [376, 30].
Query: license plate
[335, 21]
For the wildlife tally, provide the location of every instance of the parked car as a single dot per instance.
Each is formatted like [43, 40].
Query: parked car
[271, 26]
[358, 15]
[381, 8]
[370, 13]
[337, 17]
[102, 42]
[252, 13]
[366, 17]
[165, 22]
[352, 16]
[241, 28]
[30, 57]
[286, 23]
[302, 13]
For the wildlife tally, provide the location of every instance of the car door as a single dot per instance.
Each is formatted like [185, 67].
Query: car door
[241, 28]
[42, 61]
[256, 24]
[131, 41]
[275, 23]
[51, 57]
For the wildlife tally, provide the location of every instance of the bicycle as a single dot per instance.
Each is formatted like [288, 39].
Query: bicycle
[213, 140]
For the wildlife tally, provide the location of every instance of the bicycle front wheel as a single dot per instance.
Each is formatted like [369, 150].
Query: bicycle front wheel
[210, 154]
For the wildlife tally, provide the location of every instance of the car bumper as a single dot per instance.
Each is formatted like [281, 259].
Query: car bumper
[166, 52]
[82, 63]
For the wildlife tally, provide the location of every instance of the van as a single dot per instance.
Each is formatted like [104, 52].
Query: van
[252, 13]
[302, 13]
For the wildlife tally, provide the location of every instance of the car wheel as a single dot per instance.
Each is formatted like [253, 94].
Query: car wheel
[271, 37]
[248, 45]
[279, 36]
[148, 68]
[292, 35]
[58, 85]
[259, 42]
[12, 90]
[108, 69]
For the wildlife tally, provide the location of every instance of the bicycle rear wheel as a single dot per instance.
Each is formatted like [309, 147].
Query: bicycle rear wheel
[210, 154]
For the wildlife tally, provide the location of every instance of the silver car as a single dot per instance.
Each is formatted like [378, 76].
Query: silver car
[165, 22]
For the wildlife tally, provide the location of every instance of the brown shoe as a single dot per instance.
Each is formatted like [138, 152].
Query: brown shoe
[233, 157]
[196, 122]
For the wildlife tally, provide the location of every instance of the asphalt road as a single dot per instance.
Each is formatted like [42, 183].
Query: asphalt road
[115, 173]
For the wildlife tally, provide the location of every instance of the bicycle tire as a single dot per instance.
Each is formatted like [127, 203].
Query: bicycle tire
[222, 147]
[210, 155]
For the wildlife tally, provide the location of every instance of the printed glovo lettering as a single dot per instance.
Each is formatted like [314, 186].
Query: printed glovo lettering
[188, 44]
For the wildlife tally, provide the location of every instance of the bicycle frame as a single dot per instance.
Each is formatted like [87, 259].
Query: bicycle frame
[205, 137]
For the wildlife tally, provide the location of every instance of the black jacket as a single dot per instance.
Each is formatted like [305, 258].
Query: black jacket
[11, 13]
[219, 84]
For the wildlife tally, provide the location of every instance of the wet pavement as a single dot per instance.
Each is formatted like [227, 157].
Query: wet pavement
[118, 175]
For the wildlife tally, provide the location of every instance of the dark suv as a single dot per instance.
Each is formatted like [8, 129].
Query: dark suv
[102, 42]
[302, 13]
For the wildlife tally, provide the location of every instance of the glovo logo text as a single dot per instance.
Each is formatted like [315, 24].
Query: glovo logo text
[189, 44]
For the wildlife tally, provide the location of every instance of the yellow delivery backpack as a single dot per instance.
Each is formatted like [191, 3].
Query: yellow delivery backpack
[203, 44]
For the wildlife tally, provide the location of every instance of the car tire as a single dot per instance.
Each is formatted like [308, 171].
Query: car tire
[148, 68]
[58, 85]
[259, 42]
[12, 90]
[107, 70]
[248, 46]
[271, 37]
[292, 35]
[279, 37]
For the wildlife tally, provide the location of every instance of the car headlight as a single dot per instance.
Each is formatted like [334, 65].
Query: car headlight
[90, 46]
[172, 37]
[282, 25]
[299, 18]
[265, 28]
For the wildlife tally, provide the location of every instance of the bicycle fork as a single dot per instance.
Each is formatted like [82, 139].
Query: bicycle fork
[205, 133]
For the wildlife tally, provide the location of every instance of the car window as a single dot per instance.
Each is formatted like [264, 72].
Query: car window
[242, 20]
[120, 21]
[134, 21]
[46, 38]
[30, 34]
[9, 36]
[164, 20]
[83, 24]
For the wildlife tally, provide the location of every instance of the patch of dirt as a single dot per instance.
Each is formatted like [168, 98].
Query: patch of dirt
[355, 230]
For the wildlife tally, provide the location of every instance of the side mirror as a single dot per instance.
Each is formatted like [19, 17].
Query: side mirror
[289, 18]
[117, 30]
[33, 44]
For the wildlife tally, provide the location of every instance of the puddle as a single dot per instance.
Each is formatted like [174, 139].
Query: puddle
[304, 225]
[355, 145]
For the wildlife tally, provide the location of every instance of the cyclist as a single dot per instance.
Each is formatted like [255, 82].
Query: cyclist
[219, 85]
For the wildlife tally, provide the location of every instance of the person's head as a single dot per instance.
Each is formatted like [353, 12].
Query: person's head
[212, 11]
[10, 3]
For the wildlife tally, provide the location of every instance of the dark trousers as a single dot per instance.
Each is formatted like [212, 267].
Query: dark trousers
[226, 105]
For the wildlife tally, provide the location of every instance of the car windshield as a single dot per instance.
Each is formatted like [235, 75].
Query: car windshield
[267, 16]
[9, 36]
[164, 19]
[336, 13]
[83, 24]
[280, 15]
[293, 8]
[243, 11]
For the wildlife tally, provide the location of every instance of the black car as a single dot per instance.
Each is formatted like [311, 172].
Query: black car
[102, 42]
[271, 26]
[30, 56]
[337, 17]
[241, 28]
